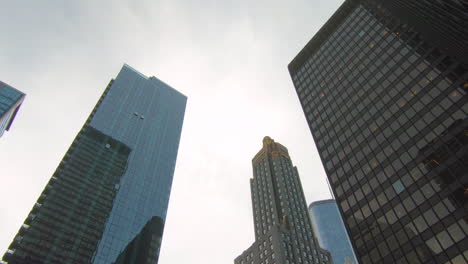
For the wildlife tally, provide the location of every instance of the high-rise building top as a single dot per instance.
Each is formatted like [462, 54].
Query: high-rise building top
[330, 231]
[283, 232]
[148, 118]
[10, 102]
[113, 181]
[383, 86]
[440, 23]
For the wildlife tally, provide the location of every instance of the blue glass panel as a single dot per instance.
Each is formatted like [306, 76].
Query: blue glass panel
[10, 99]
[330, 231]
[146, 115]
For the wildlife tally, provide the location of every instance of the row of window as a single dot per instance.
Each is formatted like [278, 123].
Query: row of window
[371, 106]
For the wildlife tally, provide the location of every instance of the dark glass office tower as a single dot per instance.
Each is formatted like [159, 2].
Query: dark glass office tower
[111, 190]
[283, 232]
[10, 102]
[384, 87]
[330, 231]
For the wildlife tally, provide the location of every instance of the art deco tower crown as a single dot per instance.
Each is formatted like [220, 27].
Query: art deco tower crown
[283, 232]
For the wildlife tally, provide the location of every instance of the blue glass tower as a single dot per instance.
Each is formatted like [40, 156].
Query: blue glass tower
[330, 231]
[10, 102]
[112, 187]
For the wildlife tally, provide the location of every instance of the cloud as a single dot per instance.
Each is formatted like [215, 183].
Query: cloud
[229, 57]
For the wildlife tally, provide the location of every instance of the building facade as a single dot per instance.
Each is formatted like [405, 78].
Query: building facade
[144, 248]
[10, 102]
[331, 234]
[383, 86]
[283, 232]
[114, 180]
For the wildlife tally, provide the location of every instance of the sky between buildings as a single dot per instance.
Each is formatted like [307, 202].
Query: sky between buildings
[229, 57]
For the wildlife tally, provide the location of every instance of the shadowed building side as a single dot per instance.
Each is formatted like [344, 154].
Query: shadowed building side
[67, 221]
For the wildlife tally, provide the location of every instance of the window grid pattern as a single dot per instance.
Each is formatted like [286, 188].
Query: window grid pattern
[67, 220]
[10, 101]
[375, 96]
[280, 211]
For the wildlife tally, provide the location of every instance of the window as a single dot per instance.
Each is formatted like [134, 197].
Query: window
[434, 245]
[420, 224]
[391, 217]
[455, 232]
[430, 217]
[409, 204]
[398, 186]
[444, 239]
[400, 211]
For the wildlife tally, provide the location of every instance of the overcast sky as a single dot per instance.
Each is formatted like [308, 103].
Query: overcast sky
[229, 57]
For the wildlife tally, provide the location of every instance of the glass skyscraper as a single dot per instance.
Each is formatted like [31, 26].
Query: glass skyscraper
[10, 102]
[383, 86]
[145, 245]
[283, 232]
[113, 185]
[331, 234]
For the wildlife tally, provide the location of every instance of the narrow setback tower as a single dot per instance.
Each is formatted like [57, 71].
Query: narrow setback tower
[283, 231]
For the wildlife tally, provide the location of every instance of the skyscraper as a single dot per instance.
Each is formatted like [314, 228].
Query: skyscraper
[331, 234]
[144, 247]
[384, 87]
[283, 232]
[10, 102]
[114, 182]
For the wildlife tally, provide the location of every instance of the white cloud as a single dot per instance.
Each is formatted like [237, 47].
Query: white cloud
[229, 57]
